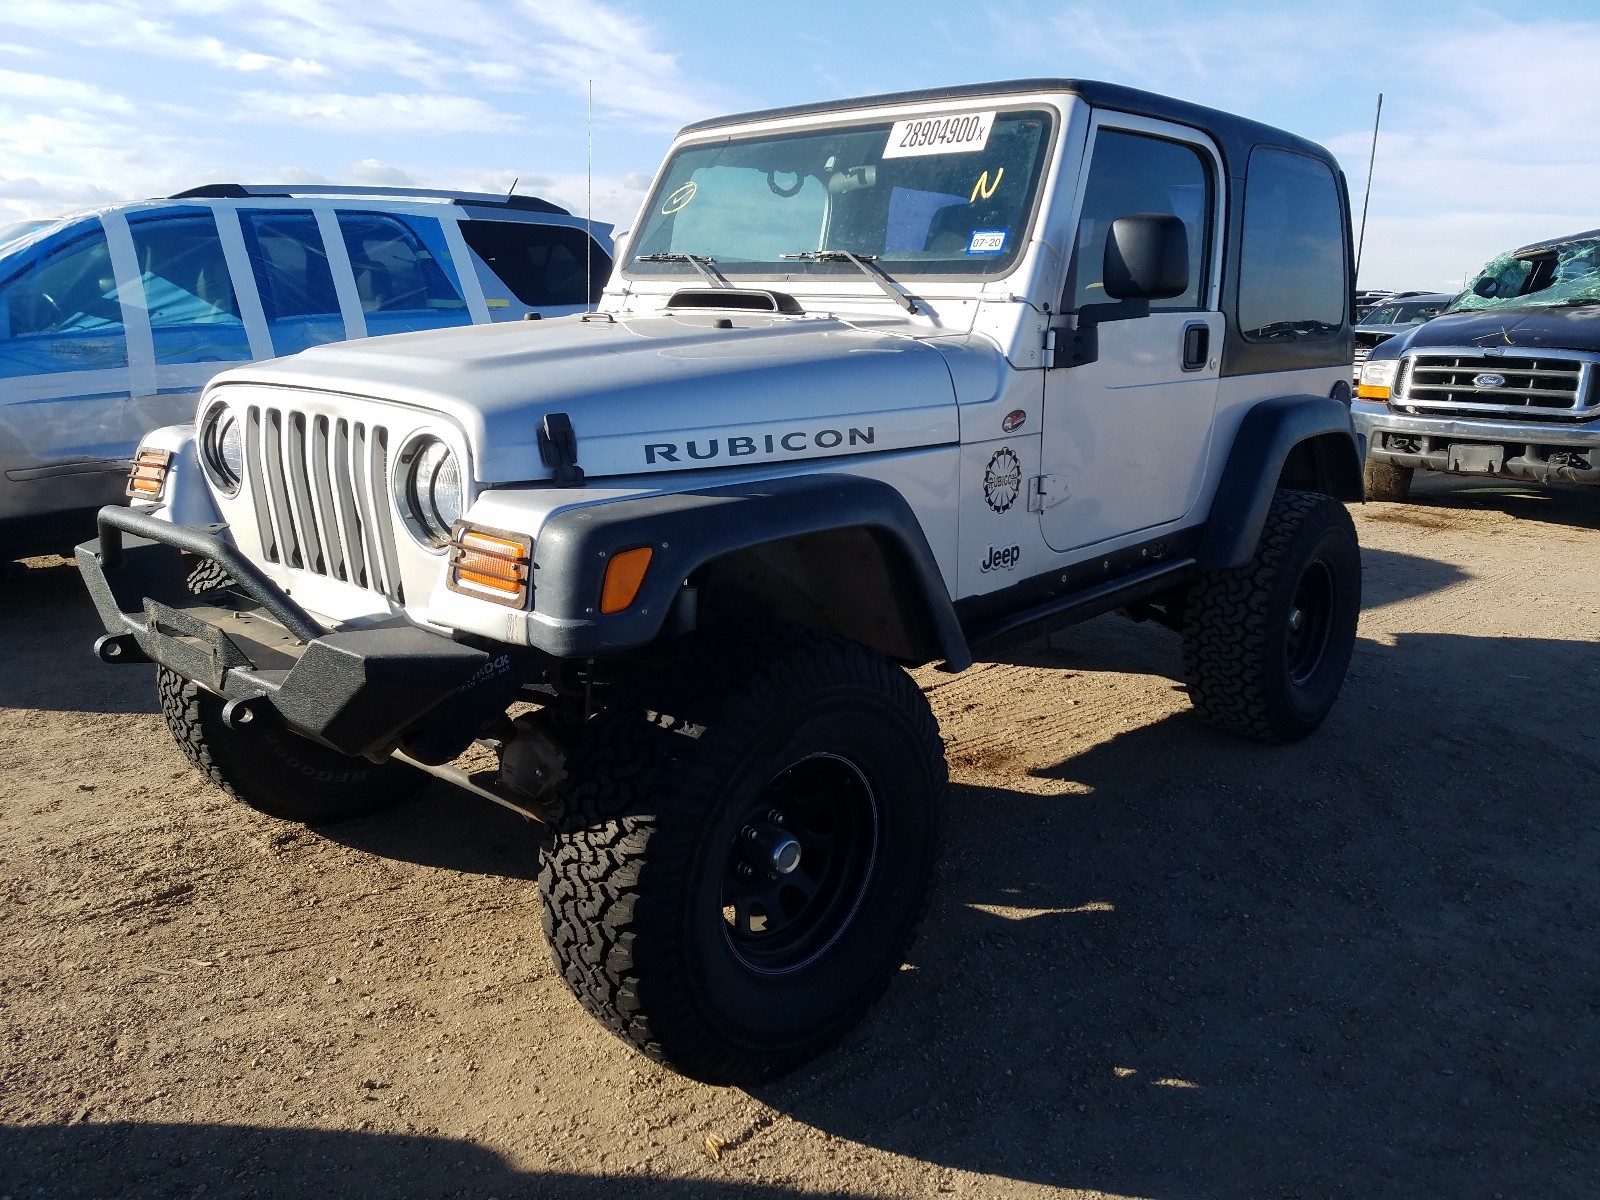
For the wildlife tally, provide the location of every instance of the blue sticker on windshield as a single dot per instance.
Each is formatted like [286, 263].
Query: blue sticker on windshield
[987, 241]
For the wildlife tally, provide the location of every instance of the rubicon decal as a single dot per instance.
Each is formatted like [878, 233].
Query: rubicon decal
[1000, 558]
[1002, 480]
[797, 442]
[1014, 420]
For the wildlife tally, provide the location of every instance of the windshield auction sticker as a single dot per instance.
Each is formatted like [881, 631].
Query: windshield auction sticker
[960, 134]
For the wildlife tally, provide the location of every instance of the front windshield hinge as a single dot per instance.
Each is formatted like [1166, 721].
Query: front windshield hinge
[706, 265]
[867, 264]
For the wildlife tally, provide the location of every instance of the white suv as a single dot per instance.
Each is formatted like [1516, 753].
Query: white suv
[877, 383]
[111, 321]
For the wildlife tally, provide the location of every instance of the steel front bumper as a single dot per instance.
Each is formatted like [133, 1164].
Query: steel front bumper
[357, 690]
[1541, 451]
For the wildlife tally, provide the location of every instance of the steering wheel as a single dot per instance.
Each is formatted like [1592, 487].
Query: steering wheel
[772, 184]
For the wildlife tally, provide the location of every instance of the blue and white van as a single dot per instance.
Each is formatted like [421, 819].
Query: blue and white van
[113, 320]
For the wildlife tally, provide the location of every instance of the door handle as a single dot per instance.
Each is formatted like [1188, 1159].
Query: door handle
[1196, 345]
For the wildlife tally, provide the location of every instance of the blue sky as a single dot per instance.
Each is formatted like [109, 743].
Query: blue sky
[1487, 140]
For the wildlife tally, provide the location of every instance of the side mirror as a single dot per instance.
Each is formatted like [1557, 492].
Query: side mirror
[1147, 258]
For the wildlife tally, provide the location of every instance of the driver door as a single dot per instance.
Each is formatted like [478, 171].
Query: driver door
[1125, 437]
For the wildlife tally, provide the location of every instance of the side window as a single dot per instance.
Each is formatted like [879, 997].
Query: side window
[543, 265]
[1292, 280]
[403, 273]
[1132, 173]
[60, 312]
[194, 314]
[294, 280]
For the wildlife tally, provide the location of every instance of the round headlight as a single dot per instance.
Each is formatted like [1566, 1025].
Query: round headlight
[222, 448]
[431, 492]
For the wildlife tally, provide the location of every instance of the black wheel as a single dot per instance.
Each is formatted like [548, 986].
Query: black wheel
[1266, 646]
[1385, 481]
[274, 771]
[744, 850]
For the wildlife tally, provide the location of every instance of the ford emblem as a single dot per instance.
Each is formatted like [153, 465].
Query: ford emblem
[1488, 380]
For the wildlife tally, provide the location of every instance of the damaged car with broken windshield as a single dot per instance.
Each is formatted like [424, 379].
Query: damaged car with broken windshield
[1502, 383]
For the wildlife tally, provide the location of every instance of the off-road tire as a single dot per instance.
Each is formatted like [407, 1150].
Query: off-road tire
[1387, 482]
[645, 841]
[1248, 670]
[274, 771]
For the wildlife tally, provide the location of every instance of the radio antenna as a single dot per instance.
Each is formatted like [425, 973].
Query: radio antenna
[1371, 158]
[514, 181]
[588, 217]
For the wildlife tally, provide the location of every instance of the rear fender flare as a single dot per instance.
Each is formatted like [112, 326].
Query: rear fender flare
[1286, 441]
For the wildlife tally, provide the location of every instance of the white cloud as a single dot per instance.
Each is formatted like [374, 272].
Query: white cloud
[387, 112]
[49, 90]
[123, 25]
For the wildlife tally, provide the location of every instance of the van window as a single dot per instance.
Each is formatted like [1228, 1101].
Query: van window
[292, 275]
[194, 313]
[60, 312]
[543, 265]
[403, 275]
[1131, 173]
[1292, 254]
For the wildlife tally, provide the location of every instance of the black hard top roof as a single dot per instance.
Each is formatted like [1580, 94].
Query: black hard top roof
[1551, 243]
[242, 191]
[1235, 134]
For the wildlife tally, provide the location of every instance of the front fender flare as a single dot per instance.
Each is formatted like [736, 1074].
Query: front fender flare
[687, 530]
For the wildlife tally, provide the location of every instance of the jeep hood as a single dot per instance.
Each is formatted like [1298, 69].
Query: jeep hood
[1532, 328]
[648, 394]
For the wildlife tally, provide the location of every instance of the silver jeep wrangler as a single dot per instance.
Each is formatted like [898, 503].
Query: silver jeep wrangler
[875, 384]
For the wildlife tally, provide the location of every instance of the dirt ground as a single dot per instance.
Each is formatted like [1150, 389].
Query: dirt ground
[1160, 963]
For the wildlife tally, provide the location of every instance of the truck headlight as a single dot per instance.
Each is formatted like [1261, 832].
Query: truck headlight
[430, 490]
[222, 448]
[1377, 378]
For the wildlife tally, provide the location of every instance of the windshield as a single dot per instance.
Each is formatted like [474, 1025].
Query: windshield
[1402, 314]
[936, 196]
[1565, 274]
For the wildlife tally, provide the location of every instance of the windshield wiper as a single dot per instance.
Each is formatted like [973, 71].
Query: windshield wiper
[867, 264]
[706, 265]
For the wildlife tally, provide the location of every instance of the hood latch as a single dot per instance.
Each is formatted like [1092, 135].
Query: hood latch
[558, 449]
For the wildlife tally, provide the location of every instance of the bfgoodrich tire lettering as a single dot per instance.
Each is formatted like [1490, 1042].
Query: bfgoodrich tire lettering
[1266, 645]
[276, 772]
[704, 766]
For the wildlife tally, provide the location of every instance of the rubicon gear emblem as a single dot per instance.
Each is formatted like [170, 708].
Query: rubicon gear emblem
[1002, 480]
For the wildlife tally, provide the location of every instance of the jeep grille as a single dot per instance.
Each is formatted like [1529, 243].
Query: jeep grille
[320, 487]
[1543, 388]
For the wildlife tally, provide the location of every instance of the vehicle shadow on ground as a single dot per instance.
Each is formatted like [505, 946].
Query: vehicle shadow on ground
[154, 1160]
[1436, 496]
[1115, 644]
[50, 627]
[446, 827]
[1208, 968]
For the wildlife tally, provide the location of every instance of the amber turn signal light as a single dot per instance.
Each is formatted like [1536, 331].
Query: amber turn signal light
[624, 575]
[491, 565]
[1367, 391]
[149, 474]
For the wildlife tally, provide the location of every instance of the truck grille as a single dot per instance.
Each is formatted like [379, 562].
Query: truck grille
[1543, 388]
[321, 491]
